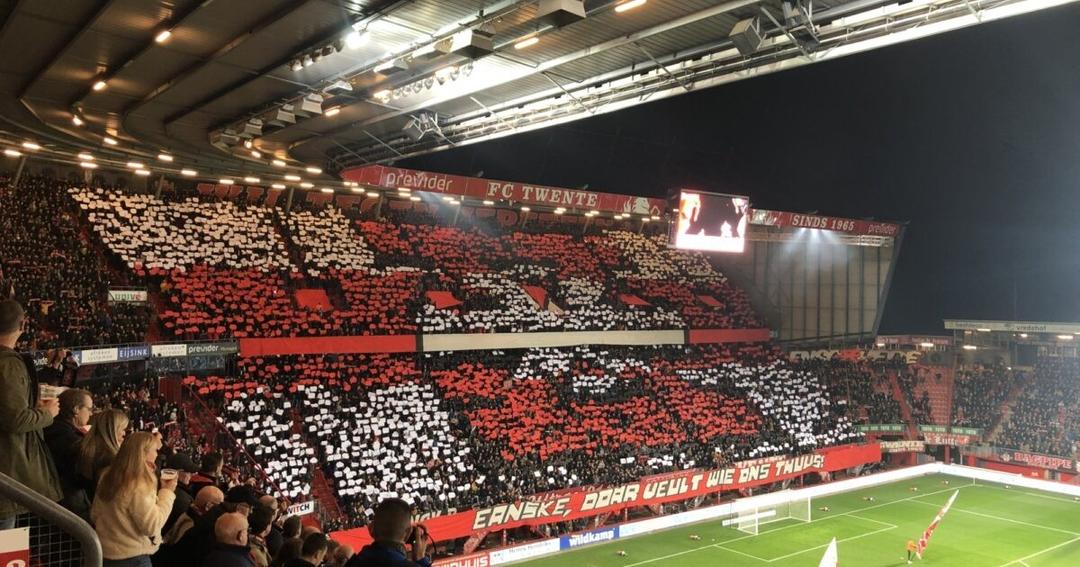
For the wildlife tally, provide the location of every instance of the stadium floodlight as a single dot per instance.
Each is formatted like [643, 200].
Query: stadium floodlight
[655, 217]
[292, 177]
[12, 153]
[527, 42]
[251, 179]
[278, 163]
[135, 165]
[332, 111]
[970, 347]
[314, 170]
[142, 172]
[1065, 337]
[85, 156]
[188, 172]
[307, 185]
[356, 189]
[110, 140]
[1023, 335]
[414, 199]
[278, 186]
[372, 193]
[404, 190]
[88, 165]
[163, 35]
[77, 120]
[983, 330]
[326, 190]
[256, 154]
[927, 345]
[627, 6]
[100, 85]
[165, 157]
[31, 146]
[356, 38]
[489, 202]
[879, 345]
[226, 181]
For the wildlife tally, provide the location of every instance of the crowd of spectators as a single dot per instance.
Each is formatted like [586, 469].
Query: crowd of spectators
[1042, 418]
[980, 391]
[48, 264]
[860, 387]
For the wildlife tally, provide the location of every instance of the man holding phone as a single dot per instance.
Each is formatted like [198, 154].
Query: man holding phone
[393, 530]
[23, 418]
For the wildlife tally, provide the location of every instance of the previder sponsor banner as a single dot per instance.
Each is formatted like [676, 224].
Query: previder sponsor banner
[478, 188]
[681, 485]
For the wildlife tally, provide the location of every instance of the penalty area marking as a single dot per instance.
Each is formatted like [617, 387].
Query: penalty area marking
[852, 513]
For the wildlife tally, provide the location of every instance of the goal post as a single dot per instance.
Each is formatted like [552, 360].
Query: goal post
[775, 507]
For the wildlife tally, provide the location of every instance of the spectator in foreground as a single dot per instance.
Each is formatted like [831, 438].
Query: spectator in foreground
[209, 473]
[259, 523]
[23, 418]
[274, 539]
[130, 509]
[63, 438]
[184, 467]
[231, 547]
[207, 499]
[312, 553]
[392, 528]
[340, 556]
[98, 449]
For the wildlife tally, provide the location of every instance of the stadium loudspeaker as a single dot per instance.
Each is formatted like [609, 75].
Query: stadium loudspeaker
[473, 43]
[746, 35]
[310, 105]
[560, 13]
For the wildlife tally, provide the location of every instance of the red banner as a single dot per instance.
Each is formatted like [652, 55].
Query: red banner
[478, 188]
[836, 224]
[956, 440]
[1035, 459]
[591, 501]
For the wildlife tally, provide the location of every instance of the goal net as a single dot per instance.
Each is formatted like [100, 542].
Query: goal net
[779, 507]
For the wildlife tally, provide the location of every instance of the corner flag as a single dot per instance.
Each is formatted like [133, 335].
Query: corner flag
[830, 559]
[925, 539]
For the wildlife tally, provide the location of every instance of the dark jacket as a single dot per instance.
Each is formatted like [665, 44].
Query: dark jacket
[380, 555]
[23, 453]
[63, 440]
[180, 505]
[229, 556]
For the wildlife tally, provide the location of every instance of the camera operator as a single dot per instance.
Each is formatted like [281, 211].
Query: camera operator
[392, 530]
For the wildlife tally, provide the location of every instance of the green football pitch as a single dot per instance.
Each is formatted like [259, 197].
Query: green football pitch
[988, 525]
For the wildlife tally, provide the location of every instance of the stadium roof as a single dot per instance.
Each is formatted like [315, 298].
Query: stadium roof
[225, 87]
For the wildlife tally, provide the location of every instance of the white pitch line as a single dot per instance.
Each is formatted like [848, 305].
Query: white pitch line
[999, 518]
[1038, 553]
[850, 515]
[860, 510]
[1027, 493]
[867, 534]
[761, 559]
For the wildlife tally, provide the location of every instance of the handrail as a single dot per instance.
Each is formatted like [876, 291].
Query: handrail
[56, 515]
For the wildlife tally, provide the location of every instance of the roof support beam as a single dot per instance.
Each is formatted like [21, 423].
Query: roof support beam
[72, 39]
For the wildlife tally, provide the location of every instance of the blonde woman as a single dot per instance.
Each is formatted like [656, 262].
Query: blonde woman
[130, 509]
[98, 448]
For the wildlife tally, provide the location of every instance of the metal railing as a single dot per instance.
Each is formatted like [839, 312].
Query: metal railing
[57, 536]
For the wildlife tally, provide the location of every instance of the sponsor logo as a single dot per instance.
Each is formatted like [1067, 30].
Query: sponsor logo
[212, 348]
[521, 552]
[418, 180]
[475, 560]
[903, 446]
[169, 350]
[97, 355]
[128, 295]
[136, 352]
[588, 538]
[302, 509]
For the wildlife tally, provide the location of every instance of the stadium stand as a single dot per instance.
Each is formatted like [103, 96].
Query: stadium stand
[859, 386]
[980, 393]
[1040, 420]
[50, 265]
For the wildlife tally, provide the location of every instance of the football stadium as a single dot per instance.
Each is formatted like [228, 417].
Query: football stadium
[599, 283]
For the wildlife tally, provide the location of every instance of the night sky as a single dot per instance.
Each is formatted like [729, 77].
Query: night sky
[973, 137]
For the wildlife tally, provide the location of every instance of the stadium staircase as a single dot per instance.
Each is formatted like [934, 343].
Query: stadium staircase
[1006, 410]
[326, 497]
[940, 394]
[905, 409]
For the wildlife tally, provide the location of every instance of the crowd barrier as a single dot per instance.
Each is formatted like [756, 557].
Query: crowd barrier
[610, 533]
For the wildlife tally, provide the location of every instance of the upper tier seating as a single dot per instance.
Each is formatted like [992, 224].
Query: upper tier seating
[1042, 419]
[156, 236]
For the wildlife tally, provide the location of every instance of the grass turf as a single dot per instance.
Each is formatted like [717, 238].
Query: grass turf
[988, 525]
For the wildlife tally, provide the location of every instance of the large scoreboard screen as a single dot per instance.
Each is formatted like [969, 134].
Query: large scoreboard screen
[710, 222]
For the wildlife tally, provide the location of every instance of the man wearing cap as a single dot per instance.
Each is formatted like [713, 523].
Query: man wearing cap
[23, 418]
[184, 467]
